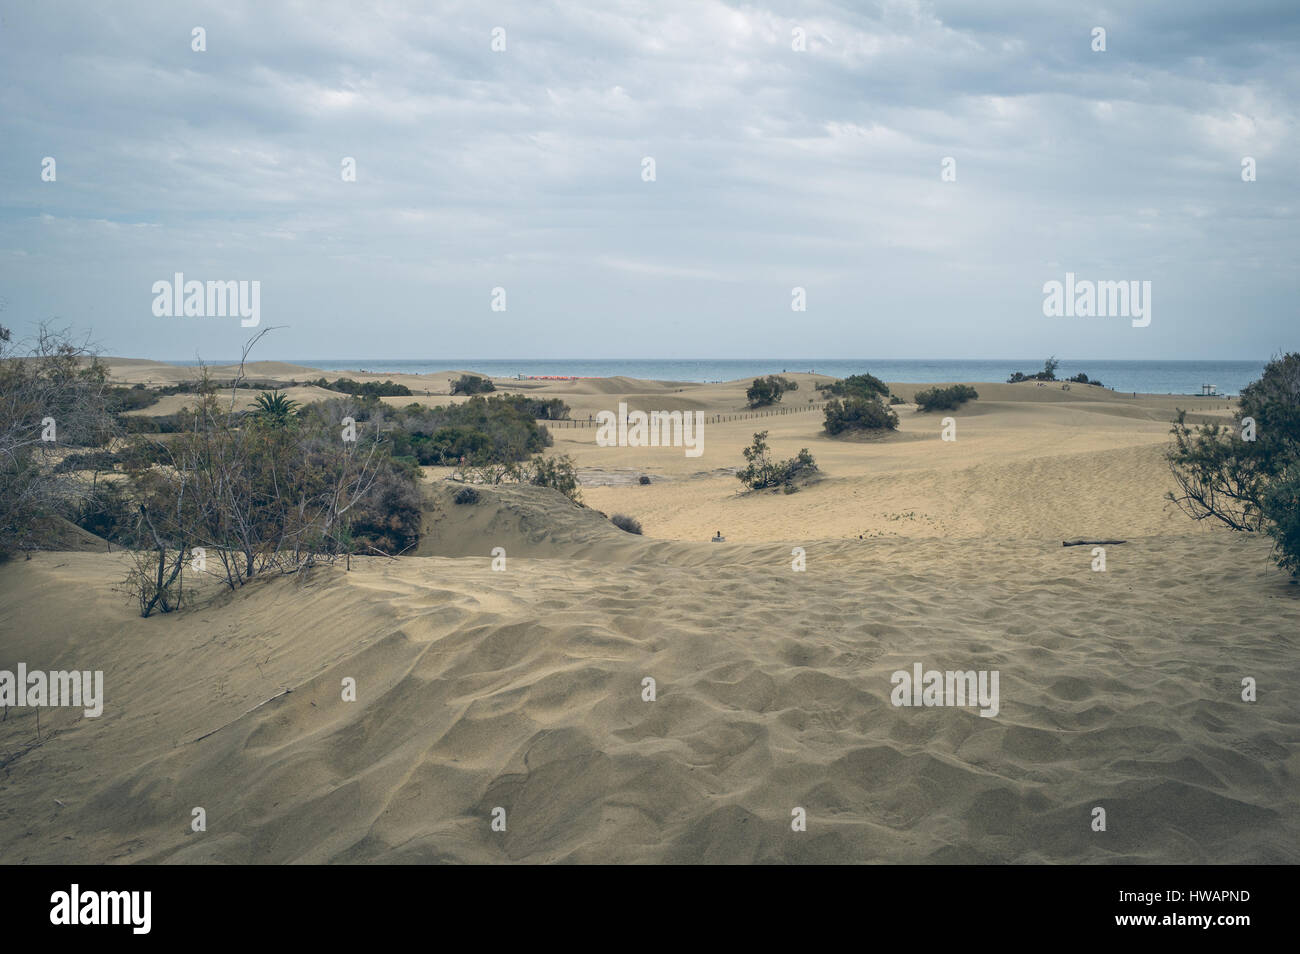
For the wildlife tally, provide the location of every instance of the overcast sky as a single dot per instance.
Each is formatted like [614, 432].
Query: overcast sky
[775, 168]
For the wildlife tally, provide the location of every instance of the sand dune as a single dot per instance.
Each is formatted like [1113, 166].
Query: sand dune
[522, 688]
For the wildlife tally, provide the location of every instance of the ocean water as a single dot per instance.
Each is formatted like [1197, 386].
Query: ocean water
[1153, 377]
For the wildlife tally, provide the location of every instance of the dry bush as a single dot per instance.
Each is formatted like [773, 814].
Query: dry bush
[52, 401]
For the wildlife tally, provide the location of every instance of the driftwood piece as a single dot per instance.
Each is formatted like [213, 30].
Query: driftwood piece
[1084, 543]
[233, 721]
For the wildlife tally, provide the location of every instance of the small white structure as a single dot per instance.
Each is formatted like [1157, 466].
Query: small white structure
[1209, 390]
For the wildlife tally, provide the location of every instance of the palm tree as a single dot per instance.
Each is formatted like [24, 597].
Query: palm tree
[275, 409]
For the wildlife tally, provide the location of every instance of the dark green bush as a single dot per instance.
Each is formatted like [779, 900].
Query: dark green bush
[140, 452]
[864, 385]
[769, 390]
[390, 515]
[858, 414]
[543, 410]
[1082, 378]
[134, 398]
[368, 389]
[143, 424]
[466, 495]
[945, 399]
[472, 384]
[110, 512]
[481, 430]
[1047, 374]
[1247, 484]
[1281, 509]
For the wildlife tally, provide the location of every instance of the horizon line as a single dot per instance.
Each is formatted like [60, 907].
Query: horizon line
[786, 360]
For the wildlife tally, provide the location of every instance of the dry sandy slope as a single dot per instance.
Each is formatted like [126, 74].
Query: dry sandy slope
[1023, 463]
[522, 689]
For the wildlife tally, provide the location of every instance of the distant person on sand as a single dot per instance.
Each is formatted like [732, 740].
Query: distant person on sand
[718, 537]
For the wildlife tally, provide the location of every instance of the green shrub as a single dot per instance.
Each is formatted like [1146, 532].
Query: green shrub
[543, 410]
[389, 516]
[769, 390]
[1246, 484]
[558, 473]
[472, 384]
[858, 414]
[141, 452]
[945, 399]
[447, 445]
[865, 386]
[479, 431]
[130, 399]
[144, 424]
[1082, 378]
[368, 389]
[53, 378]
[264, 499]
[1047, 374]
[762, 472]
[110, 512]
[1280, 506]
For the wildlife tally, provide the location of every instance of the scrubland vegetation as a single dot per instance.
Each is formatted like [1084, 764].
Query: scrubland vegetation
[865, 386]
[761, 472]
[767, 391]
[858, 406]
[945, 399]
[54, 400]
[858, 414]
[368, 389]
[1246, 475]
[479, 431]
[230, 493]
[472, 384]
[1049, 374]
